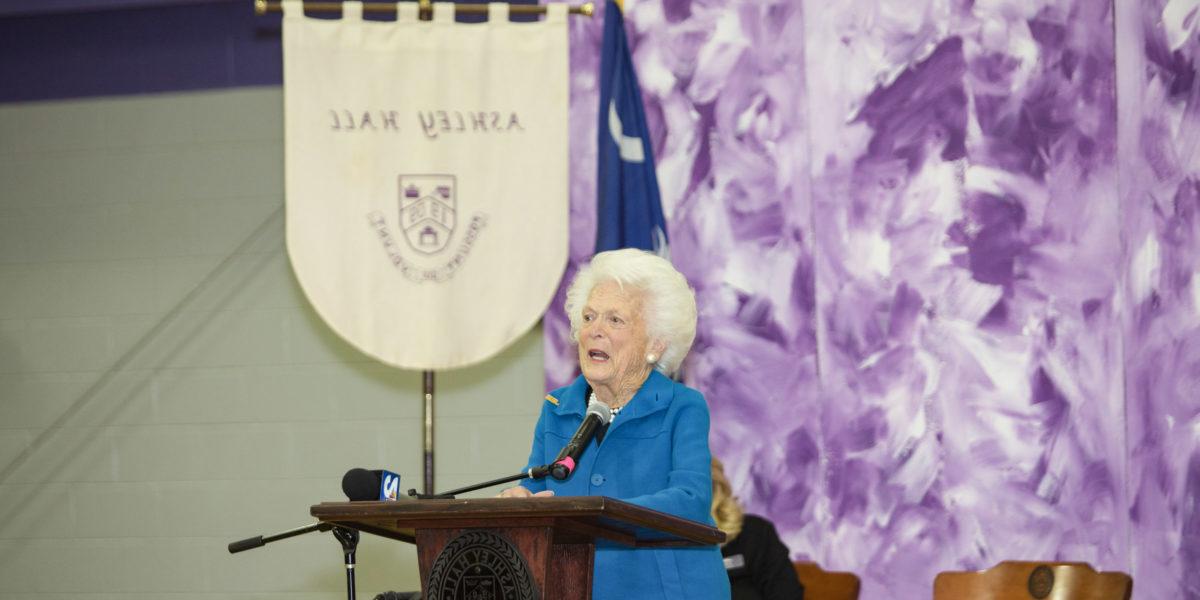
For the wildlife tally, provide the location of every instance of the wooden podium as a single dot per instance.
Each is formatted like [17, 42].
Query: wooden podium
[514, 548]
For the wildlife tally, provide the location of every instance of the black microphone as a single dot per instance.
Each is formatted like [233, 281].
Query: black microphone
[377, 484]
[598, 414]
[361, 484]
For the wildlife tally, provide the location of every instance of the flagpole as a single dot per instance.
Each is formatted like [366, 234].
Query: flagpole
[427, 385]
[262, 7]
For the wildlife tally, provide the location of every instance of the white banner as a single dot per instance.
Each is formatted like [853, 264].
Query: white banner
[426, 167]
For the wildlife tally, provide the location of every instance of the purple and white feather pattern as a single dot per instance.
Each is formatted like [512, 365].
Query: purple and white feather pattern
[1161, 314]
[963, 223]
[943, 321]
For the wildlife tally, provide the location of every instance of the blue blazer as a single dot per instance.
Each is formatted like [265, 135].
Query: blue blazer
[655, 454]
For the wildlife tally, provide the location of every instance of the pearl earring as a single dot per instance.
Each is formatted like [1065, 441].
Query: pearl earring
[651, 358]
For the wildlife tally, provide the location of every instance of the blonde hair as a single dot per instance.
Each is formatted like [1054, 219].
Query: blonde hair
[726, 511]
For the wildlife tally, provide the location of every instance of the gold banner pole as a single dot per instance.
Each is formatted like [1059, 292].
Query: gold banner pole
[262, 7]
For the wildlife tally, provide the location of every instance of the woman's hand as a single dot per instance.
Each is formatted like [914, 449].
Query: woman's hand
[520, 492]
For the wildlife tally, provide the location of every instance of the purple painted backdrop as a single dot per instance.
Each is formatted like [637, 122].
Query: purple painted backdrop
[1160, 133]
[944, 321]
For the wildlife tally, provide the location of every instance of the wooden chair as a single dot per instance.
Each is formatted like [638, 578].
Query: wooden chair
[1013, 580]
[826, 585]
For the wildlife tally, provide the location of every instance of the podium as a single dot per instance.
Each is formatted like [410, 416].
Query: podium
[514, 548]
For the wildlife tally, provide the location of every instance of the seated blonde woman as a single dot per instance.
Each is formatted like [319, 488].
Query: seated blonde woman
[756, 560]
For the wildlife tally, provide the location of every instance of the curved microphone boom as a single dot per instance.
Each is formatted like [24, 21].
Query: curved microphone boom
[598, 414]
[358, 482]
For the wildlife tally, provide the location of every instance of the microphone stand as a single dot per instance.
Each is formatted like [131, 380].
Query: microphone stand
[349, 541]
[534, 473]
[346, 536]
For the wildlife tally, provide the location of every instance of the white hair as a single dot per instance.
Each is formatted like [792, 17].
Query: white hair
[669, 308]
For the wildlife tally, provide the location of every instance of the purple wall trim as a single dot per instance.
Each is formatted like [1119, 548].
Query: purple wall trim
[141, 51]
[82, 48]
[30, 7]
[138, 51]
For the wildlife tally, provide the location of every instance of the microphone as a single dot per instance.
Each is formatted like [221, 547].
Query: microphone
[598, 414]
[358, 483]
[362, 484]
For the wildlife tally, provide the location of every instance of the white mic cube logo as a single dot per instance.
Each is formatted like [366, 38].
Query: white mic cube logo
[389, 486]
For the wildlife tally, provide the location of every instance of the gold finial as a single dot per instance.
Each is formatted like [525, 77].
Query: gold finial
[588, 9]
[260, 7]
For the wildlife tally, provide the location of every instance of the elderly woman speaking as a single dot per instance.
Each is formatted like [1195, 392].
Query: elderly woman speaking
[634, 319]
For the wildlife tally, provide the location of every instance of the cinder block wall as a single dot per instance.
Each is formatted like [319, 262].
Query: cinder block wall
[164, 386]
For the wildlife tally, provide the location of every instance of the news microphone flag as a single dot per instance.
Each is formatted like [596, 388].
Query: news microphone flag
[389, 486]
[629, 209]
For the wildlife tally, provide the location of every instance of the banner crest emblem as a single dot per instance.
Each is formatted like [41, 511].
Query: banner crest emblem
[427, 211]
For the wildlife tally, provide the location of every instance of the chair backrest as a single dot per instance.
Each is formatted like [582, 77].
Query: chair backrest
[1014, 580]
[826, 585]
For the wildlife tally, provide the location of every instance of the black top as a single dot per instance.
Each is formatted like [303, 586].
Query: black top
[758, 564]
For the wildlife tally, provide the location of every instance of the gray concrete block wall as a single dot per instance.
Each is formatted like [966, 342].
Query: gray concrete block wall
[164, 386]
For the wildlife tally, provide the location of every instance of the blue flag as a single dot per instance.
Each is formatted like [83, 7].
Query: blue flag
[629, 210]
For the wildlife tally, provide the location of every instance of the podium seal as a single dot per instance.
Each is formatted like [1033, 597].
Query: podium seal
[480, 565]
